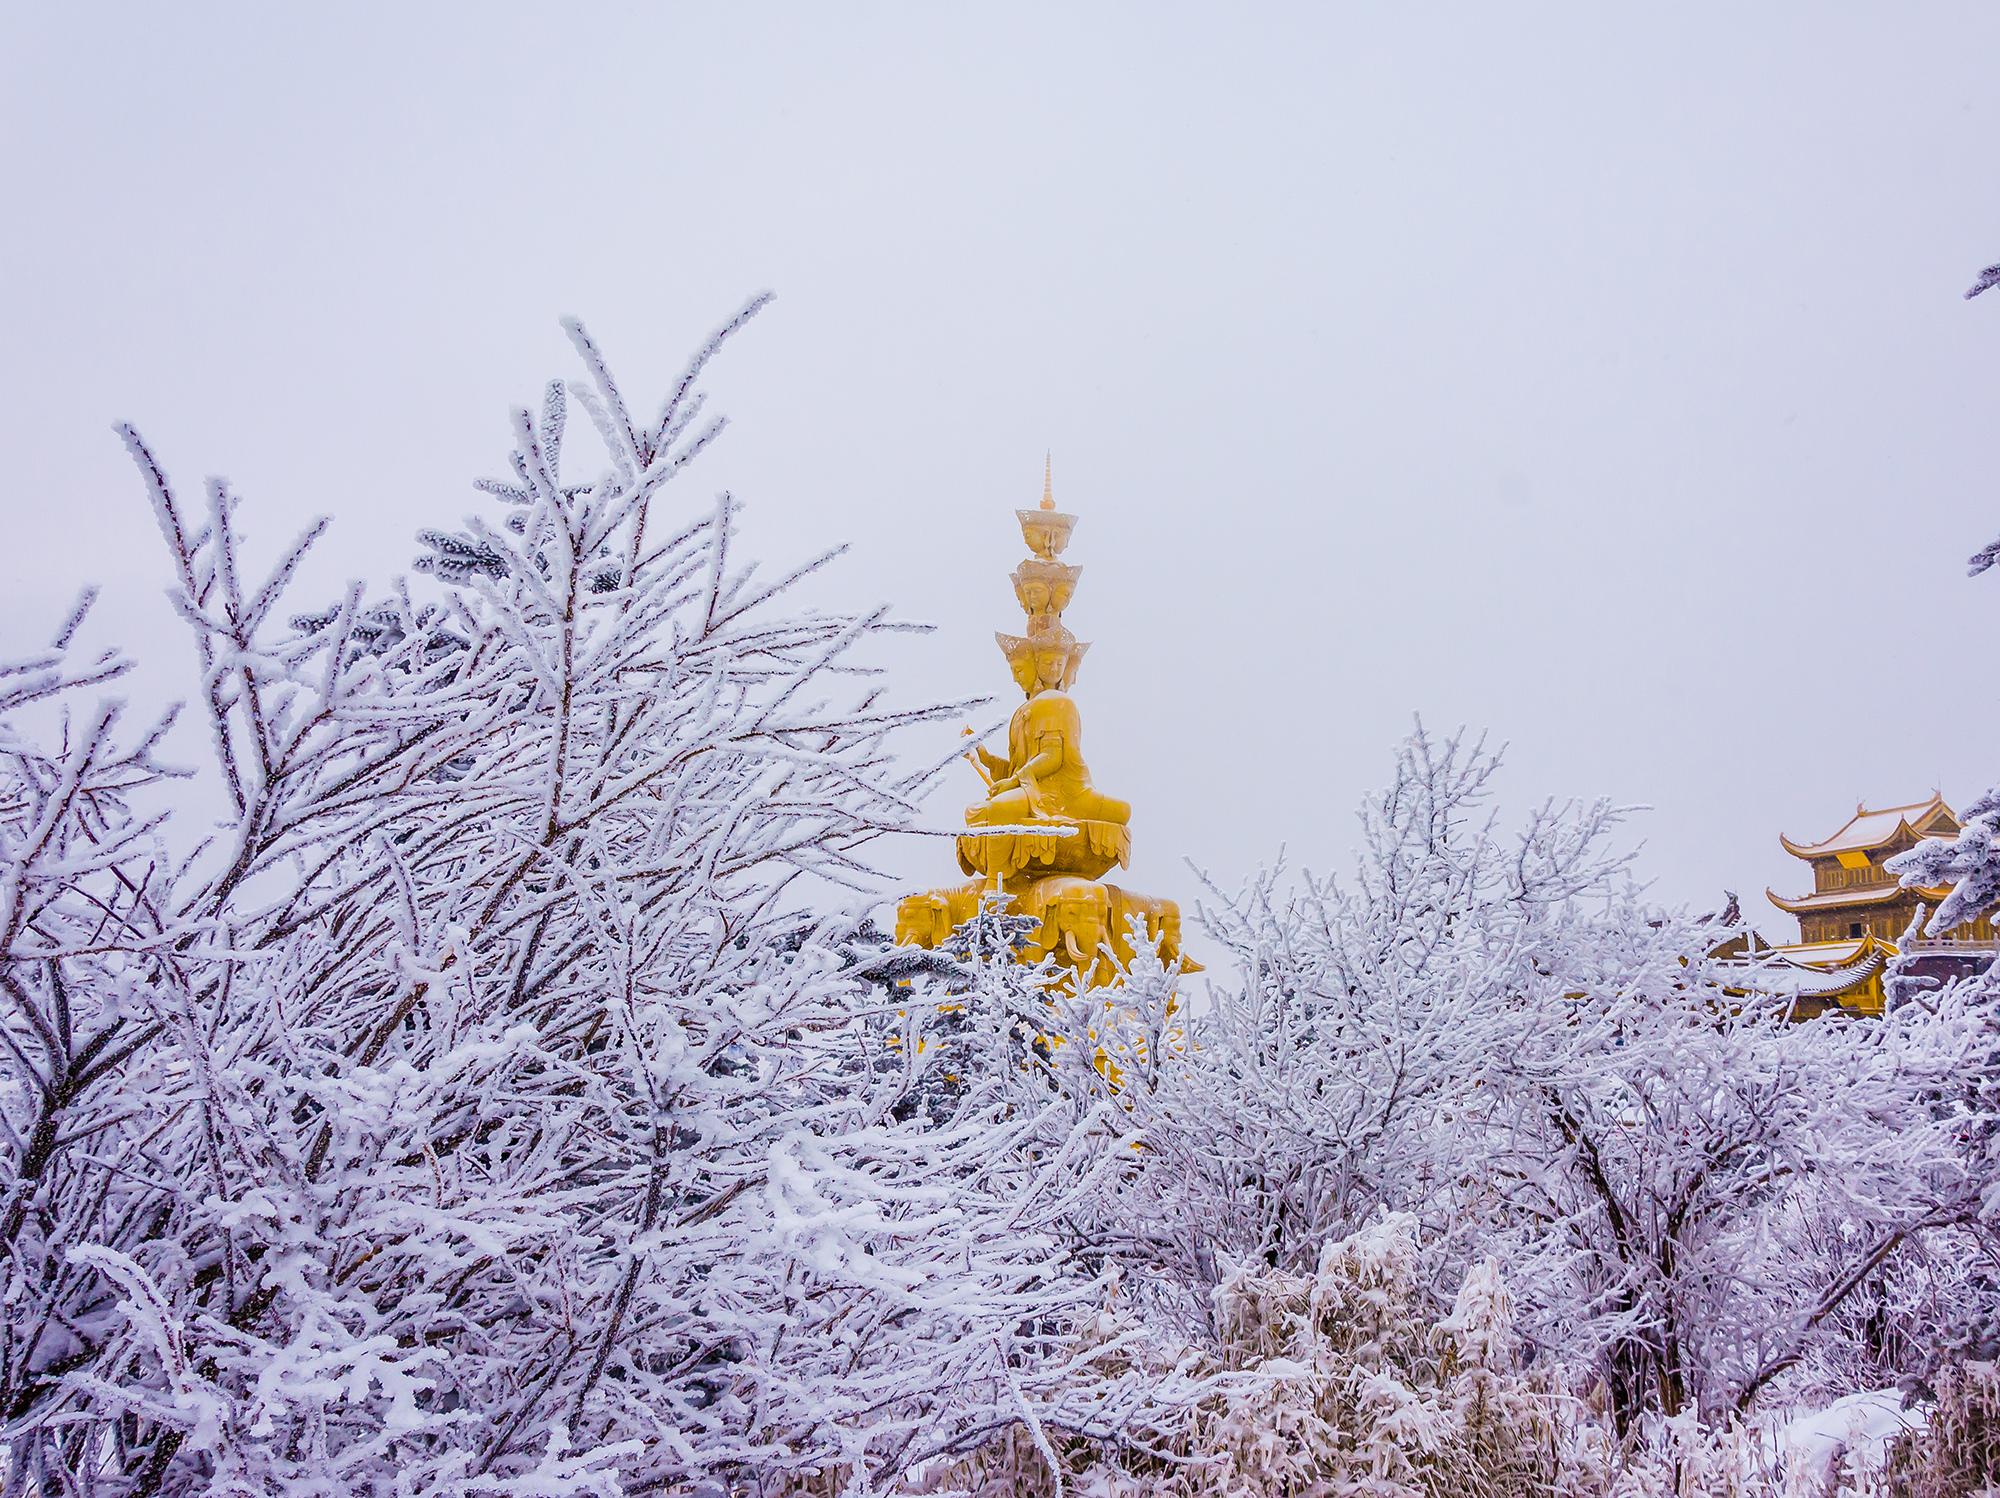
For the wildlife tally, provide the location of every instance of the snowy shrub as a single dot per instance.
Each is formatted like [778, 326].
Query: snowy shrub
[1369, 1392]
[1956, 1454]
[475, 1096]
[1343, 1380]
[471, 1108]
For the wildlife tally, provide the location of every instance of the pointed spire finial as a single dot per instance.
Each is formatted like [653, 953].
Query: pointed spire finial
[1048, 483]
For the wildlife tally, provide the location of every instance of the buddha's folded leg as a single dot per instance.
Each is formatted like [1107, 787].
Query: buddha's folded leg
[1109, 809]
[1009, 809]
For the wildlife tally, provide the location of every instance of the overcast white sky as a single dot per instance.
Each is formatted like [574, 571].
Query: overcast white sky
[1596, 375]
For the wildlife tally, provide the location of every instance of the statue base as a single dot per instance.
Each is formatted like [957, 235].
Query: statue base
[1090, 850]
[1086, 927]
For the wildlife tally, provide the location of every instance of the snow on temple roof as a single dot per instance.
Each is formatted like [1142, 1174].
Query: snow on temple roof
[1840, 899]
[1867, 829]
[1793, 980]
[1814, 970]
[1828, 956]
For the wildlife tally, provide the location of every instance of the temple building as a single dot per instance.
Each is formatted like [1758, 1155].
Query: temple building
[1853, 922]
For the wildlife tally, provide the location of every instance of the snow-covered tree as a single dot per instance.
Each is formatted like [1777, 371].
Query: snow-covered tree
[986, 1015]
[1495, 1034]
[476, 1106]
[1333, 1078]
[1694, 1182]
[1322, 1085]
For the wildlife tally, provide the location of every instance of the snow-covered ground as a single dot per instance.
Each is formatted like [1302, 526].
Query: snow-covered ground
[1855, 1431]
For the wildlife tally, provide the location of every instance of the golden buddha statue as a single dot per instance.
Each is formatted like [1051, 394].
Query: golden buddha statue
[1043, 781]
[1043, 834]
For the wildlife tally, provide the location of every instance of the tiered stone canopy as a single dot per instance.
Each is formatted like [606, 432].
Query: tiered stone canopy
[1043, 835]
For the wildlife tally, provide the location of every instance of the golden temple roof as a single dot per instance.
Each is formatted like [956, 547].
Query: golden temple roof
[1802, 975]
[1852, 952]
[1867, 830]
[1842, 899]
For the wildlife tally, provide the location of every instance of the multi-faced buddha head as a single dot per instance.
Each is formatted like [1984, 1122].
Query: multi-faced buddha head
[1044, 589]
[1044, 662]
[1046, 531]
